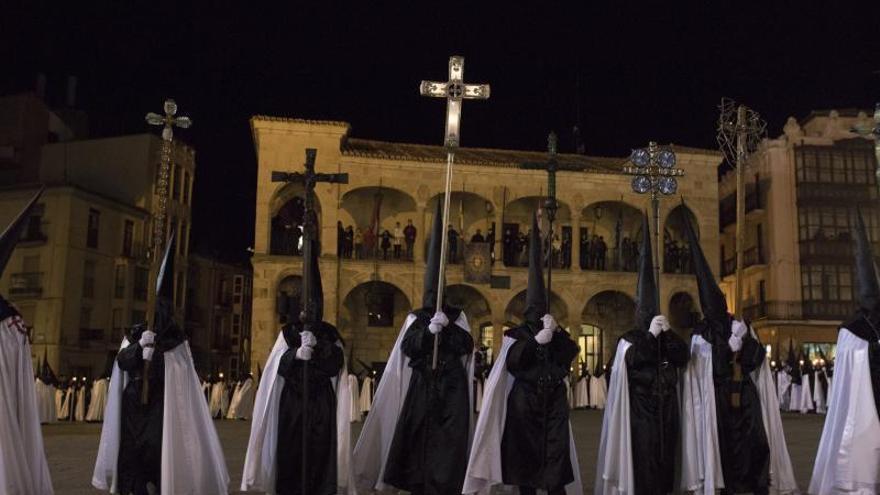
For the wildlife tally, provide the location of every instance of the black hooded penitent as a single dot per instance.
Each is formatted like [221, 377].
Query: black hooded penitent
[8, 241]
[429, 450]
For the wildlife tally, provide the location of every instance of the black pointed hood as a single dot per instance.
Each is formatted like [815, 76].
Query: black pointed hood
[432, 268]
[9, 238]
[165, 279]
[712, 300]
[47, 376]
[317, 295]
[791, 360]
[646, 290]
[536, 292]
[866, 273]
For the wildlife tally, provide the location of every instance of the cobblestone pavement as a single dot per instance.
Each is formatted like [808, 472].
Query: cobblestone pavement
[71, 448]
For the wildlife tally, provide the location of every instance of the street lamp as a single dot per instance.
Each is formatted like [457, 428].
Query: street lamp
[655, 174]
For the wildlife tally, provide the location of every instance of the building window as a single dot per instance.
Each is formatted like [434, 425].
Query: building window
[590, 342]
[89, 279]
[185, 187]
[487, 336]
[93, 228]
[237, 289]
[119, 282]
[236, 325]
[141, 280]
[34, 229]
[85, 317]
[826, 282]
[128, 238]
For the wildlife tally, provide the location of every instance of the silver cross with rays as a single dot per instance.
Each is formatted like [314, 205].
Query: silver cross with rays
[455, 90]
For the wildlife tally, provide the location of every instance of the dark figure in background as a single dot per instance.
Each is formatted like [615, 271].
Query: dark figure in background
[584, 255]
[490, 238]
[359, 244]
[385, 243]
[594, 252]
[349, 241]
[478, 237]
[452, 236]
[601, 251]
[397, 239]
[509, 248]
[340, 239]
[325, 363]
[140, 442]
[409, 234]
[566, 248]
[625, 247]
[522, 244]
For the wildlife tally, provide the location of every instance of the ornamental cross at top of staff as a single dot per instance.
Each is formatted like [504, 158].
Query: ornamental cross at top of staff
[455, 90]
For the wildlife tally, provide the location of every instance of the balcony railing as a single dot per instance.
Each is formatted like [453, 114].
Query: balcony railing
[752, 256]
[727, 209]
[825, 193]
[797, 310]
[26, 284]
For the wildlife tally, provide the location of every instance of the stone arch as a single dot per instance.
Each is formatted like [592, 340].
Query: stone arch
[286, 209]
[371, 317]
[676, 251]
[478, 310]
[683, 311]
[359, 206]
[619, 225]
[517, 223]
[517, 305]
[612, 313]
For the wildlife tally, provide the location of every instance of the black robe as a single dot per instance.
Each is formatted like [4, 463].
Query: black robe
[326, 363]
[652, 377]
[140, 444]
[867, 327]
[742, 440]
[429, 451]
[535, 448]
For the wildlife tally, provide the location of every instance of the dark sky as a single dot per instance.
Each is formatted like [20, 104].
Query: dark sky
[629, 74]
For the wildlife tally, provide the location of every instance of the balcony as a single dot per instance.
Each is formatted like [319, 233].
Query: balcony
[135, 251]
[727, 208]
[826, 193]
[752, 257]
[26, 284]
[797, 310]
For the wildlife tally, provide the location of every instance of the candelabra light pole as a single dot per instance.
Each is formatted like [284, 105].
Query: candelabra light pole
[655, 174]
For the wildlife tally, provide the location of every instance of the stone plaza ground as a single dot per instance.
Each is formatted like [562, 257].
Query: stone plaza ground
[71, 449]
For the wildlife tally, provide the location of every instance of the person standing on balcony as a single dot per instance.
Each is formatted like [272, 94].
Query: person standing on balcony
[601, 251]
[452, 237]
[349, 242]
[359, 244]
[409, 234]
[398, 240]
[385, 243]
[478, 237]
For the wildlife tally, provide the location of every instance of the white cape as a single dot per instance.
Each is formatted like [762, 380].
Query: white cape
[219, 399]
[582, 393]
[242, 405]
[259, 466]
[701, 458]
[371, 451]
[354, 390]
[819, 393]
[192, 460]
[784, 390]
[23, 468]
[99, 400]
[484, 466]
[59, 403]
[614, 467]
[805, 401]
[848, 459]
[79, 413]
[366, 395]
[45, 402]
[598, 391]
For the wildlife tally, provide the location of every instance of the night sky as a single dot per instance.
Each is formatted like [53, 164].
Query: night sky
[627, 74]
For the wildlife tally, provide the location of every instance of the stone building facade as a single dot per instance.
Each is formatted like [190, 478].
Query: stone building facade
[802, 192]
[368, 293]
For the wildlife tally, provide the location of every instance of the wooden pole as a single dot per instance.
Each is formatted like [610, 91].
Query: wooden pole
[740, 206]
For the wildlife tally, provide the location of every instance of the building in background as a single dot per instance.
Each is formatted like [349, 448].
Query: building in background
[218, 315]
[369, 287]
[802, 191]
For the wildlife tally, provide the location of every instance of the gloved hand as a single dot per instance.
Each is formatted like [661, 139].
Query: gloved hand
[304, 353]
[438, 322]
[735, 343]
[544, 336]
[147, 343]
[739, 328]
[549, 322]
[307, 339]
[658, 325]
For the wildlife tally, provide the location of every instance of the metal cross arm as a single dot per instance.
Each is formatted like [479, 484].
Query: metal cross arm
[169, 120]
[454, 90]
[299, 177]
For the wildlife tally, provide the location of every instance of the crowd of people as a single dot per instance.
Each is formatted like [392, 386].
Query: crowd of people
[396, 243]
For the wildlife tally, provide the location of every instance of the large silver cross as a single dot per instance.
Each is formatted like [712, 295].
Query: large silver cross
[455, 90]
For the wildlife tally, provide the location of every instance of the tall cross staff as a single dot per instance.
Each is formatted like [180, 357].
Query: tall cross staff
[309, 306]
[455, 90]
[551, 206]
[168, 122]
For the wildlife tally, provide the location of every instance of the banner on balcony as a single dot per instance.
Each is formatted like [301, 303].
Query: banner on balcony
[477, 263]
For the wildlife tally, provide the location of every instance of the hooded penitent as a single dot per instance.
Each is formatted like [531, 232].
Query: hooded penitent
[712, 300]
[428, 452]
[23, 467]
[635, 412]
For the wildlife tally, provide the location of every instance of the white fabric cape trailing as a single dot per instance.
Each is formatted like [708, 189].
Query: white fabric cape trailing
[242, 404]
[701, 458]
[260, 467]
[614, 467]
[374, 444]
[192, 460]
[45, 401]
[23, 468]
[354, 391]
[99, 400]
[819, 393]
[598, 391]
[848, 459]
[484, 465]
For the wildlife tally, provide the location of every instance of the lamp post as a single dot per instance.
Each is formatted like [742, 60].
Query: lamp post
[655, 174]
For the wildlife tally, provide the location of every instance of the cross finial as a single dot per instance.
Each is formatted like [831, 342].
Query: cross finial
[454, 90]
[168, 120]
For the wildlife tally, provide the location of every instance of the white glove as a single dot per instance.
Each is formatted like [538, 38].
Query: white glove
[148, 353]
[148, 338]
[304, 353]
[307, 339]
[549, 322]
[739, 328]
[735, 343]
[438, 321]
[544, 336]
[658, 324]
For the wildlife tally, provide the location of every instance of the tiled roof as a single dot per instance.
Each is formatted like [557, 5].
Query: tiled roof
[269, 118]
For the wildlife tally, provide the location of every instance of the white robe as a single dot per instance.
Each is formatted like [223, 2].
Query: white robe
[819, 393]
[701, 458]
[45, 402]
[23, 467]
[366, 395]
[219, 399]
[484, 465]
[614, 467]
[805, 401]
[783, 387]
[848, 459]
[233, 401]
[59, 403]
[582, 393]
[260, 467]
[79, 414]
[68, 403]
[371, 452]
[192, 459]
[242, 405]
[354, 390]
[99, 400]
[598, 391]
